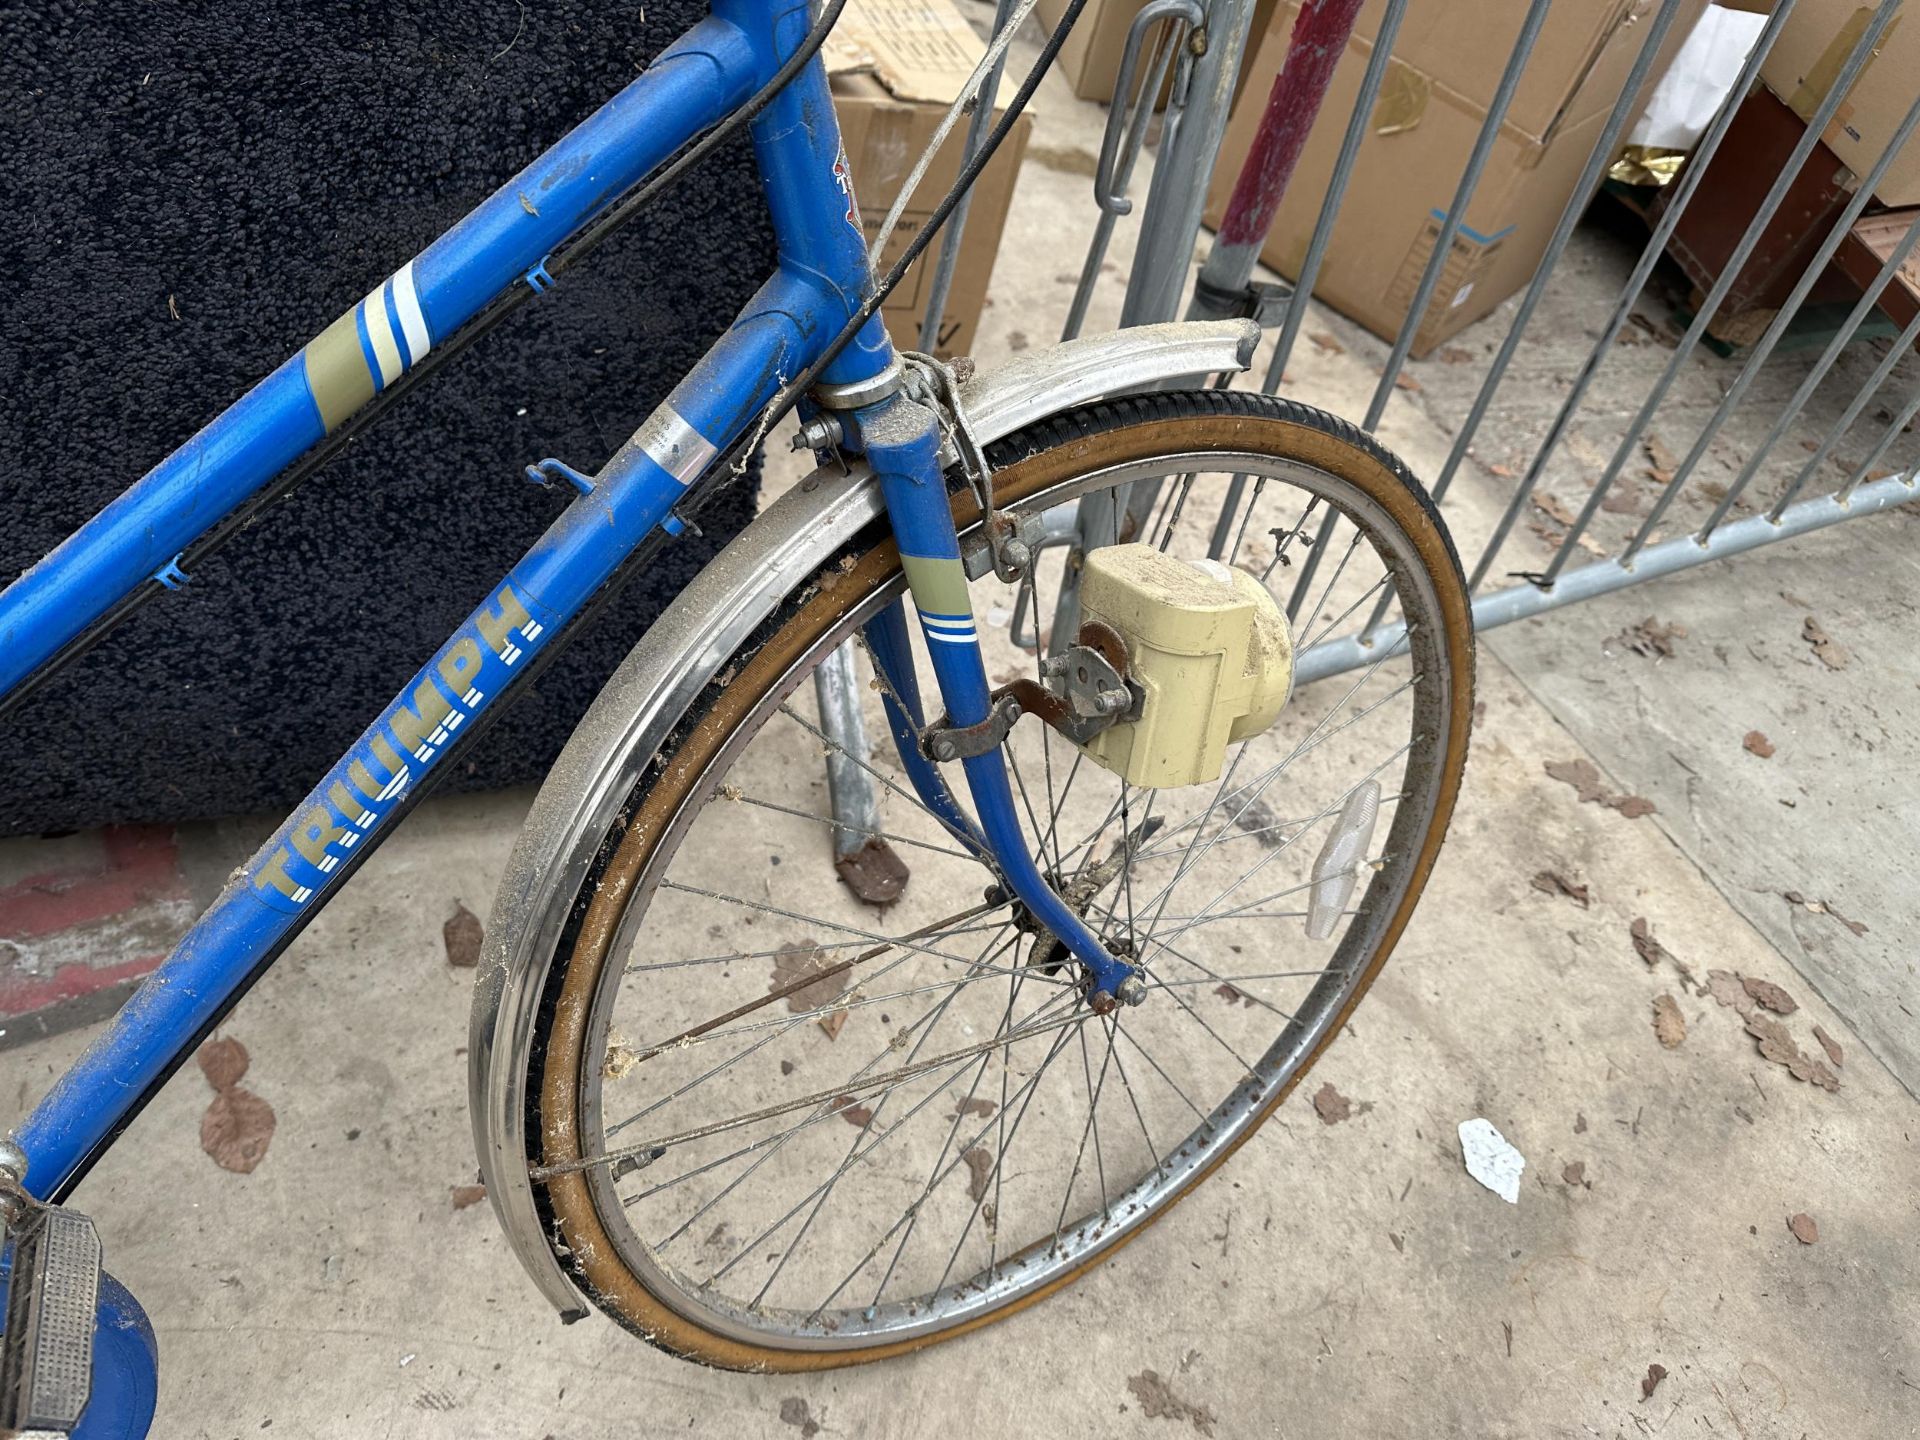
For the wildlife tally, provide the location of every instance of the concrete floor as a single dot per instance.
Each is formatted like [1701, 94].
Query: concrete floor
[1333, 1279]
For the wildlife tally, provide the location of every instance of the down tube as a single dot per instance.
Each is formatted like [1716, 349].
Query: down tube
[272, 897]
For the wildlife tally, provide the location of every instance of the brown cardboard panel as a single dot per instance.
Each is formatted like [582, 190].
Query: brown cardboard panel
[1807, 57]
[1408, 167]
[1463, 48]
[895, 66]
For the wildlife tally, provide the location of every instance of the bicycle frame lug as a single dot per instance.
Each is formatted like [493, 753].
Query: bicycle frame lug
[550, 470]
[858, 394]
[171, 575]
[1132, 990]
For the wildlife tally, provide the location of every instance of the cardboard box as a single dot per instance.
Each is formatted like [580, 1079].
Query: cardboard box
[1429, 112]
[895, 66]
[1801, 67]
[1091, 57]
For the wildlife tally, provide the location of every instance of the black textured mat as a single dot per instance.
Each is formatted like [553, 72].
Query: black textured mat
[194, 191]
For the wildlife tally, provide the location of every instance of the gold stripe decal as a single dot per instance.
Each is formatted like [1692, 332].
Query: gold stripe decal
[939, 586]
[337, 371]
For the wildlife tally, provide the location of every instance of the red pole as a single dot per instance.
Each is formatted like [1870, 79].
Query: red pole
[1318, 40]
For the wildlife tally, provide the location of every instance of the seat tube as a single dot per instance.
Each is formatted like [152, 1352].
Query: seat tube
[902, 445]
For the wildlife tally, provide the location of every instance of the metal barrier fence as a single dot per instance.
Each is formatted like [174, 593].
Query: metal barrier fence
[1199, 47]
[1189, 53]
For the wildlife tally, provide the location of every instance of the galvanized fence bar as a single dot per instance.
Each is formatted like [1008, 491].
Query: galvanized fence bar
[1729, 272]
[1643, 555]
[940, 283]
[1296, 311]
[1656, 246]
[1603, 577]
[1190, 139]
[1838, 232]
[1430, 276]
[1126, 134]
[1322, 236]
[1850, 327]
[1591, 174]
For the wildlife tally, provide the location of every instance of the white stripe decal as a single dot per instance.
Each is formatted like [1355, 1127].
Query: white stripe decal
[966, 639]
[946, 624]
[386, 349]
[413, 320]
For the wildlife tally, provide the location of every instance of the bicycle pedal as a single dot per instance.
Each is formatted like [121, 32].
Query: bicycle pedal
[46, 1352]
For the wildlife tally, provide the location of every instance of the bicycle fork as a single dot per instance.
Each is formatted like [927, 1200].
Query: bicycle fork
[901, 439]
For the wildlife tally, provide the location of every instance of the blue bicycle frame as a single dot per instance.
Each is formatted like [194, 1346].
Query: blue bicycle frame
[820, 283]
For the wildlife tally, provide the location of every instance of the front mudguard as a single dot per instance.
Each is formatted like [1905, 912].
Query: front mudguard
[673, 662]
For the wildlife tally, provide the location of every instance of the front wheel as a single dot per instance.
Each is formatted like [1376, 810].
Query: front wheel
[772, 1127]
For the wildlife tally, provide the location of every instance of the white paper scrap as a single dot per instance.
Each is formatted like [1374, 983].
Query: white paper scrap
[1491, 1160]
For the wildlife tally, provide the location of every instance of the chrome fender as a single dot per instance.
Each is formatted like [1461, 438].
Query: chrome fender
[670, 666]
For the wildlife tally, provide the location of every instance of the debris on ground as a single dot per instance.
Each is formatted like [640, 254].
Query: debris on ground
[238, 1125]
[1821, 907]
[794, 1412]
[794, 964]
[1830, 1045]
[983, 1108]
[1584, 777]
[1730, 989]
[1652, 638]
[852, 1111]
[1490, 1159]
[1757, 743]
[1645, 946]
[1575, 1173]
[1803, 1227]
[1663, 462]
[462, 935]
[465, 1195]
[1553, 507]
[979, 1171]
[1769, 994]
[223, 1062]
[1455, 354]
[1332, 1107]
[1233, 995]
[1554, 883]
[1777, 1045]
[1158, 1402]
[1828, 651]
[1650, 1382]
[237, 1129]
[1669, 1025]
